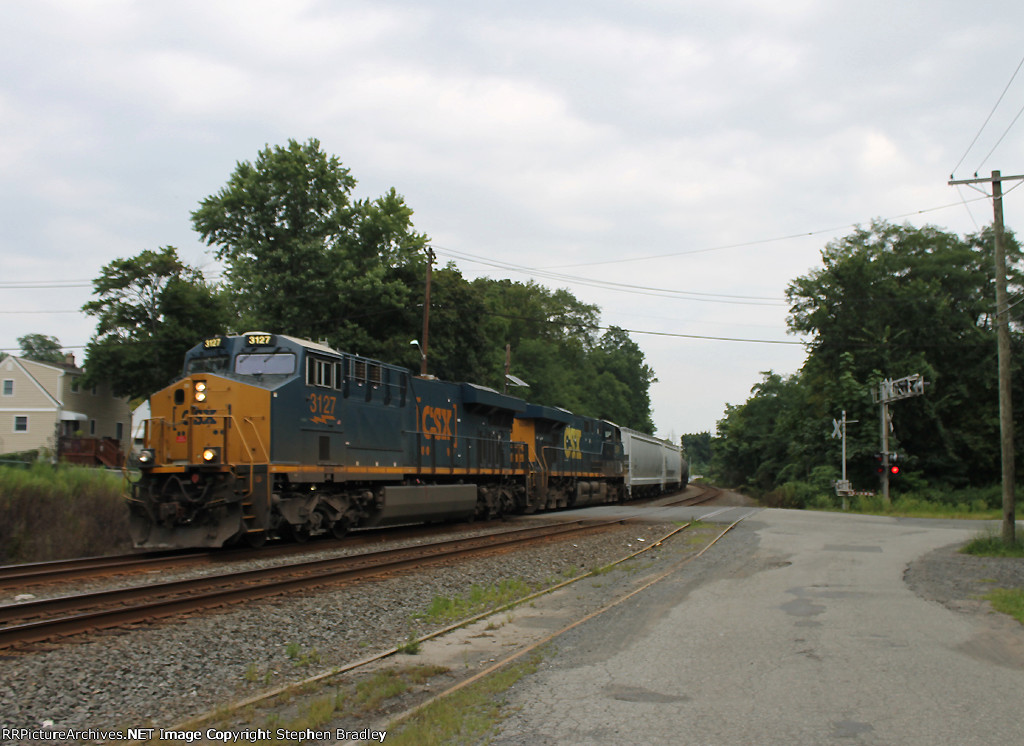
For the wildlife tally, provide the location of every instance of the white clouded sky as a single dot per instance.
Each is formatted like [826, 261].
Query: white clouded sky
[564, 136]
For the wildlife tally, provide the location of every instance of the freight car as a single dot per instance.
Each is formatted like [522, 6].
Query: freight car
[267, 436]
[653, 465]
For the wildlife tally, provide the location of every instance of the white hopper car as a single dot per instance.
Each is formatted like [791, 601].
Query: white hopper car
[653, 466]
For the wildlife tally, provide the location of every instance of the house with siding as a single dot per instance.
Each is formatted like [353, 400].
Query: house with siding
[43, 406]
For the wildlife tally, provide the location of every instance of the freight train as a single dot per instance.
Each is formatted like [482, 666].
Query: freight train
[269, 436]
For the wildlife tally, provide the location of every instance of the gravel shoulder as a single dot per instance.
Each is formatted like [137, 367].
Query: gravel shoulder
[958, 581]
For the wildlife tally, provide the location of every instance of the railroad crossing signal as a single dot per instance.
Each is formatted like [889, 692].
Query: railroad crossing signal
[890, 391]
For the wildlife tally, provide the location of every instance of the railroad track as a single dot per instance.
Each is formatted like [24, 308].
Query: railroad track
[36, 621]
[30, 575]
[40, 573]
[24, 576]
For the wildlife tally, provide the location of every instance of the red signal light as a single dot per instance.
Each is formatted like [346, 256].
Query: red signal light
[894, 469]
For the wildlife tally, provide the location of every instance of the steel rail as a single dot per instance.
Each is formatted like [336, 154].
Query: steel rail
[247, 584]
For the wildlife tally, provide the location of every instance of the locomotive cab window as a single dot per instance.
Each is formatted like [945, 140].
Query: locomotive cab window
[208, 364]
[263, 363]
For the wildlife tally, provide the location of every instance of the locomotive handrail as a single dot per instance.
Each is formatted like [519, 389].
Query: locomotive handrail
[464, 454]
[187, 419]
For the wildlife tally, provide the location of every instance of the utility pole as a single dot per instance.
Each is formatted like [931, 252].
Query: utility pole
[426, 313]
[886, 424]
[1003, 348]
[839, 431]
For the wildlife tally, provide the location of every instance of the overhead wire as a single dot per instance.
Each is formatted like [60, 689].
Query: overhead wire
[755, 242]
[547, 274]
[987, 120]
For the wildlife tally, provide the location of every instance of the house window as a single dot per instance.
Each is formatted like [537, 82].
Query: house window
[21, 424]
[119, 431]
[92, 427]
[8, 387]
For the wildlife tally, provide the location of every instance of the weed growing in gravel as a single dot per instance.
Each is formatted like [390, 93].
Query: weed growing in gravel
[411, 646]
[301, 657]
[355, 700]
[465, 716]
[479, 599]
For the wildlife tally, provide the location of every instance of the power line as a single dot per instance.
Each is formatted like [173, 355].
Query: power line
[1005, 133]
[609, 285]
[985, 123]
[755, 242]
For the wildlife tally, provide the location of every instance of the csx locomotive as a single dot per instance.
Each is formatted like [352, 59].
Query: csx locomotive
[270, 436]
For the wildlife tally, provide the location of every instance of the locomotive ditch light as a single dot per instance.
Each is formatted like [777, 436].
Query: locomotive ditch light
[200, 391]
[147, 456]
[211, 455]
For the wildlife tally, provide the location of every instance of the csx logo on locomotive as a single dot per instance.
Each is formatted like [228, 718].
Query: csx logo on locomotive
[436, 422]
[571, 443]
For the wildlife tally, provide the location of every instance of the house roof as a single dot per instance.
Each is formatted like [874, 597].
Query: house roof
[20, 364]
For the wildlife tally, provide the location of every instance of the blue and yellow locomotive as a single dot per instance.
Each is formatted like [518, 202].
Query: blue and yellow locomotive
[267, 435]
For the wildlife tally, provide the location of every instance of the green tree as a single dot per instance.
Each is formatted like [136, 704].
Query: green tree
[760, 442]
[41, 347]
[697, 447]
[302, 257]
[887, 302]
[551, 334]
[150, 309]
[896, 300]
[617, 358]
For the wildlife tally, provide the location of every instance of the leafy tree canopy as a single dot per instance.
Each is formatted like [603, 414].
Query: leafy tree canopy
[40, 347]
[150, 309]
[302, 257]
[887, 302]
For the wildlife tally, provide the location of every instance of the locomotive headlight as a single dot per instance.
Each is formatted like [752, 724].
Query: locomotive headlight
[200, 391]
[211, 455]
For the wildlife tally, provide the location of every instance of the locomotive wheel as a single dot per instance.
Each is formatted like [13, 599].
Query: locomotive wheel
[299, 534]
[339, 529]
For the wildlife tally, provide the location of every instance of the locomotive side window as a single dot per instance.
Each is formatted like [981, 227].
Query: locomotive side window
[254, 364]
[320, 372]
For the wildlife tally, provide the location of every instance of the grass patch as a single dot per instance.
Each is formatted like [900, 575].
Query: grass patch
[1008, 601]
[56, 512]
[411, 646]
[478, 600]
[990, 544]
[465, 716]
[357, 700]
[301, 657]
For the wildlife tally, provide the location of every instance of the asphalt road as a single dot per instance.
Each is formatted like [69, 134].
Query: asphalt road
[797, 628]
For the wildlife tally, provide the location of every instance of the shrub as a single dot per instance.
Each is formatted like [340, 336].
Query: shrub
[55, 512]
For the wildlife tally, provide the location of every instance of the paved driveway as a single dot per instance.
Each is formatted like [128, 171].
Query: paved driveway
[797, 628]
